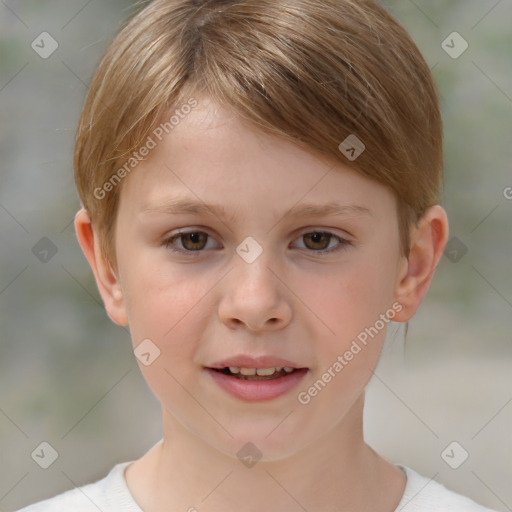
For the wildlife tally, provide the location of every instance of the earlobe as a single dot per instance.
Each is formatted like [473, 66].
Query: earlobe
[107, 281]
[428, 240]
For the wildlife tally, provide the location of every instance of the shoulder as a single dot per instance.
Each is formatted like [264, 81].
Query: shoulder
[426, 495]
[109, 493]
[82, 499]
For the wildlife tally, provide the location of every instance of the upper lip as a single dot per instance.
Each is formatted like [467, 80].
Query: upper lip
[245, 361]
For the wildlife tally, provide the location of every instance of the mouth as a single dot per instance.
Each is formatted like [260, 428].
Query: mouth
[257, 374]
[256, 378]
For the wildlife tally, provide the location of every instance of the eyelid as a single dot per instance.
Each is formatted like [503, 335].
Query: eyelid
[338, 232]
[184, 231]
[344, 241]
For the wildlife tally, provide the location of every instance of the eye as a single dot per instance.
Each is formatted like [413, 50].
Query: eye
[320, 241]
[191, 241]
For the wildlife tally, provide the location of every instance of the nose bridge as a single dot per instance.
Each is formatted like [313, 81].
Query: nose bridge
[253, 295]
[254, 260]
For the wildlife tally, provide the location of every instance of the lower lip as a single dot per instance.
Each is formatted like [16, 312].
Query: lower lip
[257, 389]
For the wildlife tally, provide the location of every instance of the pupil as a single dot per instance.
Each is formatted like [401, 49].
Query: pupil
[195, 238]
[317, 238]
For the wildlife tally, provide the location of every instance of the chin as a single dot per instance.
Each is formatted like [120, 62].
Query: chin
[261, 443]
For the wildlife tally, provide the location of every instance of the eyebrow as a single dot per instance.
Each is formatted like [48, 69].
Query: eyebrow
[183, 206]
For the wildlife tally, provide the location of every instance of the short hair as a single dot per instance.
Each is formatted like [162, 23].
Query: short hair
[312, 71]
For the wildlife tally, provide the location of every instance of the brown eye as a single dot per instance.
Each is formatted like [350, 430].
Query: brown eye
[191, 241]
[194, 241]
[319, 240]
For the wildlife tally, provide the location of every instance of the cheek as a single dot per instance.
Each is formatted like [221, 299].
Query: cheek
[354, 298]
[356, 305]
[164, 306]
[167, 309]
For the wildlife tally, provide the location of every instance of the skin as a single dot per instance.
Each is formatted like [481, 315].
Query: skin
[290, 302]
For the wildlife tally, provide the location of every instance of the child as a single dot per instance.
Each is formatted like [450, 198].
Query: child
[260, 183]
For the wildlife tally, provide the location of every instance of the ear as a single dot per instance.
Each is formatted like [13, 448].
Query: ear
[106, 279]
[428, 240]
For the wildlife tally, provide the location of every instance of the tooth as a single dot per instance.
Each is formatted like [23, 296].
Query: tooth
[288, 369]
[234, 369]
[279, 368]
[265, 371]
[248, 371]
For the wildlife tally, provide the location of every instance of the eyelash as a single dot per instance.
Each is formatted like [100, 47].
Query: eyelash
[343, 243]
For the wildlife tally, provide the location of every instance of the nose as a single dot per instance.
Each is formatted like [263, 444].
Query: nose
[253, 297]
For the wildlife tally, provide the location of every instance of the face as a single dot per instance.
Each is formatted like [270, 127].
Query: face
[266, 270]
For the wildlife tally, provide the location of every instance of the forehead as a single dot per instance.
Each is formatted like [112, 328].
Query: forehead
[213, 155]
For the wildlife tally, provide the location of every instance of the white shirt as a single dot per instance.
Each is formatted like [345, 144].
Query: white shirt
[111, 494]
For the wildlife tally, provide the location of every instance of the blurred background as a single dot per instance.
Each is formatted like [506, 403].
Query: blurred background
[68, 376]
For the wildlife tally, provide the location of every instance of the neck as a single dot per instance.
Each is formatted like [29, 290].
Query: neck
[338, 472]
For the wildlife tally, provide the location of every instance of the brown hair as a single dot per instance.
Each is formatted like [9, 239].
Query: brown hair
[312, 71]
